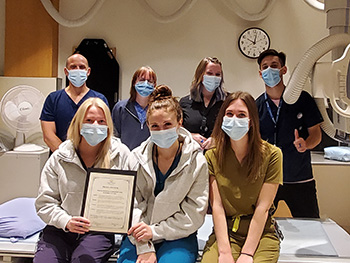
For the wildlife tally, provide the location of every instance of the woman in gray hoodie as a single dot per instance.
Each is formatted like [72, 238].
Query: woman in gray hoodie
[171, 188]
[66, 238]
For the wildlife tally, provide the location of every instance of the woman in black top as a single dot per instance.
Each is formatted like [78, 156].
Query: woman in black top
[202, 105]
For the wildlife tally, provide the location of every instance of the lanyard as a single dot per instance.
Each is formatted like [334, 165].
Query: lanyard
[204, 128]
[271, 115]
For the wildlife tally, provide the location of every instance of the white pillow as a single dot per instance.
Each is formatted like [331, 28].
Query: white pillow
[340, 153]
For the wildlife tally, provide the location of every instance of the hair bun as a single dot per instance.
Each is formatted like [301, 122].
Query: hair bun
[161, 92]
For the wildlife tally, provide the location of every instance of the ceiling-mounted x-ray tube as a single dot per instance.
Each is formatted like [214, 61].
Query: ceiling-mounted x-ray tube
[311, 56]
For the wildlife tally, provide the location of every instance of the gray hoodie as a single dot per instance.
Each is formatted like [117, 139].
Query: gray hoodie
[178, 210]
[62, 182]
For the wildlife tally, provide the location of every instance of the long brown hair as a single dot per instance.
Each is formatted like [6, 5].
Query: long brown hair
[256, 148]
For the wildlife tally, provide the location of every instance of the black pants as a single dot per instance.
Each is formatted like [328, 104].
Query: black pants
[301, 199]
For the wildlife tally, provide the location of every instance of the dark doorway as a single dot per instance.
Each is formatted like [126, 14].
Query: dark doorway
[104, 76]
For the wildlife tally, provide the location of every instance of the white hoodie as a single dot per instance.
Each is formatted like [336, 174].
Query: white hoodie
[62, 182]
[178, 210]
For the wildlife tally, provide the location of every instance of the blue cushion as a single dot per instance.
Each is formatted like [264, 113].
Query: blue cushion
[18, 218]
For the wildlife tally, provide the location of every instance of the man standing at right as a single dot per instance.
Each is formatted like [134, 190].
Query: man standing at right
[295, 129]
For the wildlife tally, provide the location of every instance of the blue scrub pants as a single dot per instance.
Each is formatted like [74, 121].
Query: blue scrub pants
[184, 250]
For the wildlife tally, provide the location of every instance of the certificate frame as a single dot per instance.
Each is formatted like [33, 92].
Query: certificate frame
[109, 199]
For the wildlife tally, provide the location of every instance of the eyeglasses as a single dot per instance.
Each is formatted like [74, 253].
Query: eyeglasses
[203, 128]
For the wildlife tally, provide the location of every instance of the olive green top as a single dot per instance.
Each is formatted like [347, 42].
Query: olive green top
[238, 194]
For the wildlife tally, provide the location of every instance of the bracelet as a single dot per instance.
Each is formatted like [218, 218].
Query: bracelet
[250, 255]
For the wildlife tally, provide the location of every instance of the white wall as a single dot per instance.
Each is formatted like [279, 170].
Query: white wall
[2, 36]
[174, 49]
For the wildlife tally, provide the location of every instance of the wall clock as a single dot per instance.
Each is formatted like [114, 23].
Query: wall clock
[253, 41]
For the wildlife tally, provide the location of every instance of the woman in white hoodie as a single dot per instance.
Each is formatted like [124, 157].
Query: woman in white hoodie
[66, 238]
[171, 191]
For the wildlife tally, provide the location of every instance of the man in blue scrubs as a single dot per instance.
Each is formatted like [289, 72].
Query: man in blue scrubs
[293, 128]
[60, 106]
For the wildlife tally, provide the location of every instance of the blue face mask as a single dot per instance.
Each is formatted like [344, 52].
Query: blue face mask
[94, 133]
[144, 88]
[164, 138]
[271, 76]
[235, 127]
[211, 82]
[77, 77]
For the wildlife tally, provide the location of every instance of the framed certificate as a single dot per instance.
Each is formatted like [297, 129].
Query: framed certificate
[108, 199]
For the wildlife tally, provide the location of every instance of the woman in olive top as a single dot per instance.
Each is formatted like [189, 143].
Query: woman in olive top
[245, 172]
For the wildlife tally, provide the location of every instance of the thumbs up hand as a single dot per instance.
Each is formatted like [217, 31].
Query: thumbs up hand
[299, 142]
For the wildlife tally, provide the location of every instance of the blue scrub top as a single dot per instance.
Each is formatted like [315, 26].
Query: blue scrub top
[301, 115]
[60, 108]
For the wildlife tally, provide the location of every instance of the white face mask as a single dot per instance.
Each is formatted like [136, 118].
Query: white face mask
[164, 138]
[211, 82]
[235, 127]
[94, 133]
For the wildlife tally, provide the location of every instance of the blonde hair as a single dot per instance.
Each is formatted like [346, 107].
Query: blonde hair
[162, 98]
[73, 134]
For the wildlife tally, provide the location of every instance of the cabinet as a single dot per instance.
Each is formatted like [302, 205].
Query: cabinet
[20, 173]
[333, 193]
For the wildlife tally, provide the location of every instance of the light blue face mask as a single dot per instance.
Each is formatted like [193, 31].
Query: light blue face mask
[144, 88]
[94, 133]
[164, 138]
[77, 77]
[235, 127]
[211, 82]
[271, 76]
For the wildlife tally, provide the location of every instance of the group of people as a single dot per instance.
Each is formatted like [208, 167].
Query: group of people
[211, 147]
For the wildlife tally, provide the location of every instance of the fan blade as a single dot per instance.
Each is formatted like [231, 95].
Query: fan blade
[11, 111]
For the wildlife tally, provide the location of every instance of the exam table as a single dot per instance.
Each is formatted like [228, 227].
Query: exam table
[305, 240]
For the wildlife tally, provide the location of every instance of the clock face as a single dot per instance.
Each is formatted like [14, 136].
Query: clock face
[253, 41]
